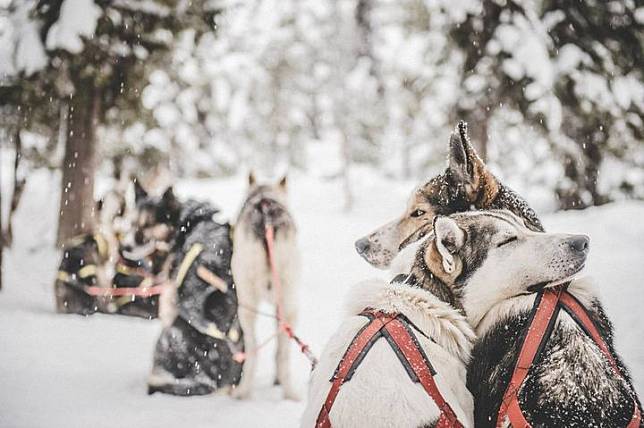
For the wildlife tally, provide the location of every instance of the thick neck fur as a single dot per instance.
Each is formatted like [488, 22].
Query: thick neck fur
[433, 316]
[582, 288]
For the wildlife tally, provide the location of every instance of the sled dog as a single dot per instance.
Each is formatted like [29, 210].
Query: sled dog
[466, 183]
[144, 251]
[265, 205]
[88, 260]
[571, 382]
[197, 351]
[459, 254]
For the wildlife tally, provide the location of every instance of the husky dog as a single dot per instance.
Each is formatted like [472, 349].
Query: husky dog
[88, 260]
[197, 351]
[455, 266]
[466, 183]
[572, 384]
[265, 205]
[144, 250]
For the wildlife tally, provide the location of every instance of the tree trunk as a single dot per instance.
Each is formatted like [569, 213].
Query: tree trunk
[6, 233]
[582, 169]
[18, 188]
[1, 234]
[479, 132]
[346, 180]
[365, 46]
[77, 188]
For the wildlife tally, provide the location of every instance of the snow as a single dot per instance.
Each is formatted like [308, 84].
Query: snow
[71, 371]
[77, 19]
[30, 53]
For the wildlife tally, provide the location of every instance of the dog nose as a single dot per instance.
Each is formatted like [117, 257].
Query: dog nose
[362, 245]
[579, 243]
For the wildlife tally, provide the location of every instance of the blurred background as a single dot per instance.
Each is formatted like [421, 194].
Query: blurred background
[552, 91]
[355, 99]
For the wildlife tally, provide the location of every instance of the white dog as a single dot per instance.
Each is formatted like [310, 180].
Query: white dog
[381, 391]
[265, 205]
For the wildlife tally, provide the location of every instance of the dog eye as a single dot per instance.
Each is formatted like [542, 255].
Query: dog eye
[418, 213]
[507, 241]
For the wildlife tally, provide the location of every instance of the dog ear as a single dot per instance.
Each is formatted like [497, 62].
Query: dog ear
[168, 195]
[449, 239]
[170, 204]
[464, 164]
[283, 183]
[251, 179]
[139, 191]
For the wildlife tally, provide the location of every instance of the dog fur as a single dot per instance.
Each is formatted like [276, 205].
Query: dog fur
[144, 250]
[88, 260]
[380, 394]
[572, 384]
[459, 189]
[250, 265]
[196, 351]
[466, 184]
[447, 265]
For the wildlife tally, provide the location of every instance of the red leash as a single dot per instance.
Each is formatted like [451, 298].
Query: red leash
[154, 290]
[283, 325]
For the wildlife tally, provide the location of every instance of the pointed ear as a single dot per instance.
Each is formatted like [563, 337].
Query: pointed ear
[449, 239]
[457, 160]
[139, 191]
[283, 183]
[168, 195]
[466, 167]
[251, 179]
[170, 203]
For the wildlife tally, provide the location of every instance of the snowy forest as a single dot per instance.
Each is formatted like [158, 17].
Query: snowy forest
[354, 99]
[552, 90]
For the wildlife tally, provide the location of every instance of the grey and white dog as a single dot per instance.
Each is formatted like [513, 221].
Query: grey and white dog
[572, 383]
[265, 205]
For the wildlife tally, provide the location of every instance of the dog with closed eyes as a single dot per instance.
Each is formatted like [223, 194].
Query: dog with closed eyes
[468, 184]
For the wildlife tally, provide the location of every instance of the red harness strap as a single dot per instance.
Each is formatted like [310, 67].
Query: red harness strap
[395, 329]
[537, 335]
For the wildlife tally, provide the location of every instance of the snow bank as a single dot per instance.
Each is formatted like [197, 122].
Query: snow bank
[72, 371]
[77, 19]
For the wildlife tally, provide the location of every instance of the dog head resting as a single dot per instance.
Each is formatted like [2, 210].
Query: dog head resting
[476, 259]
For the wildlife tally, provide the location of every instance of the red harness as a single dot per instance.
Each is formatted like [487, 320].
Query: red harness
[397, 330]
[544, 316]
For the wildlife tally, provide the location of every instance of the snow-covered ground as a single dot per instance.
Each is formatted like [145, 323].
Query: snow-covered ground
[71, 371]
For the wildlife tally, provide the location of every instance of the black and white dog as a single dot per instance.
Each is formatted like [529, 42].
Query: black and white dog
[197, 352]
[144, 251]
[572, 384]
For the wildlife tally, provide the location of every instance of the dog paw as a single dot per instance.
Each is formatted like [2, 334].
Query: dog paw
[240, 393]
